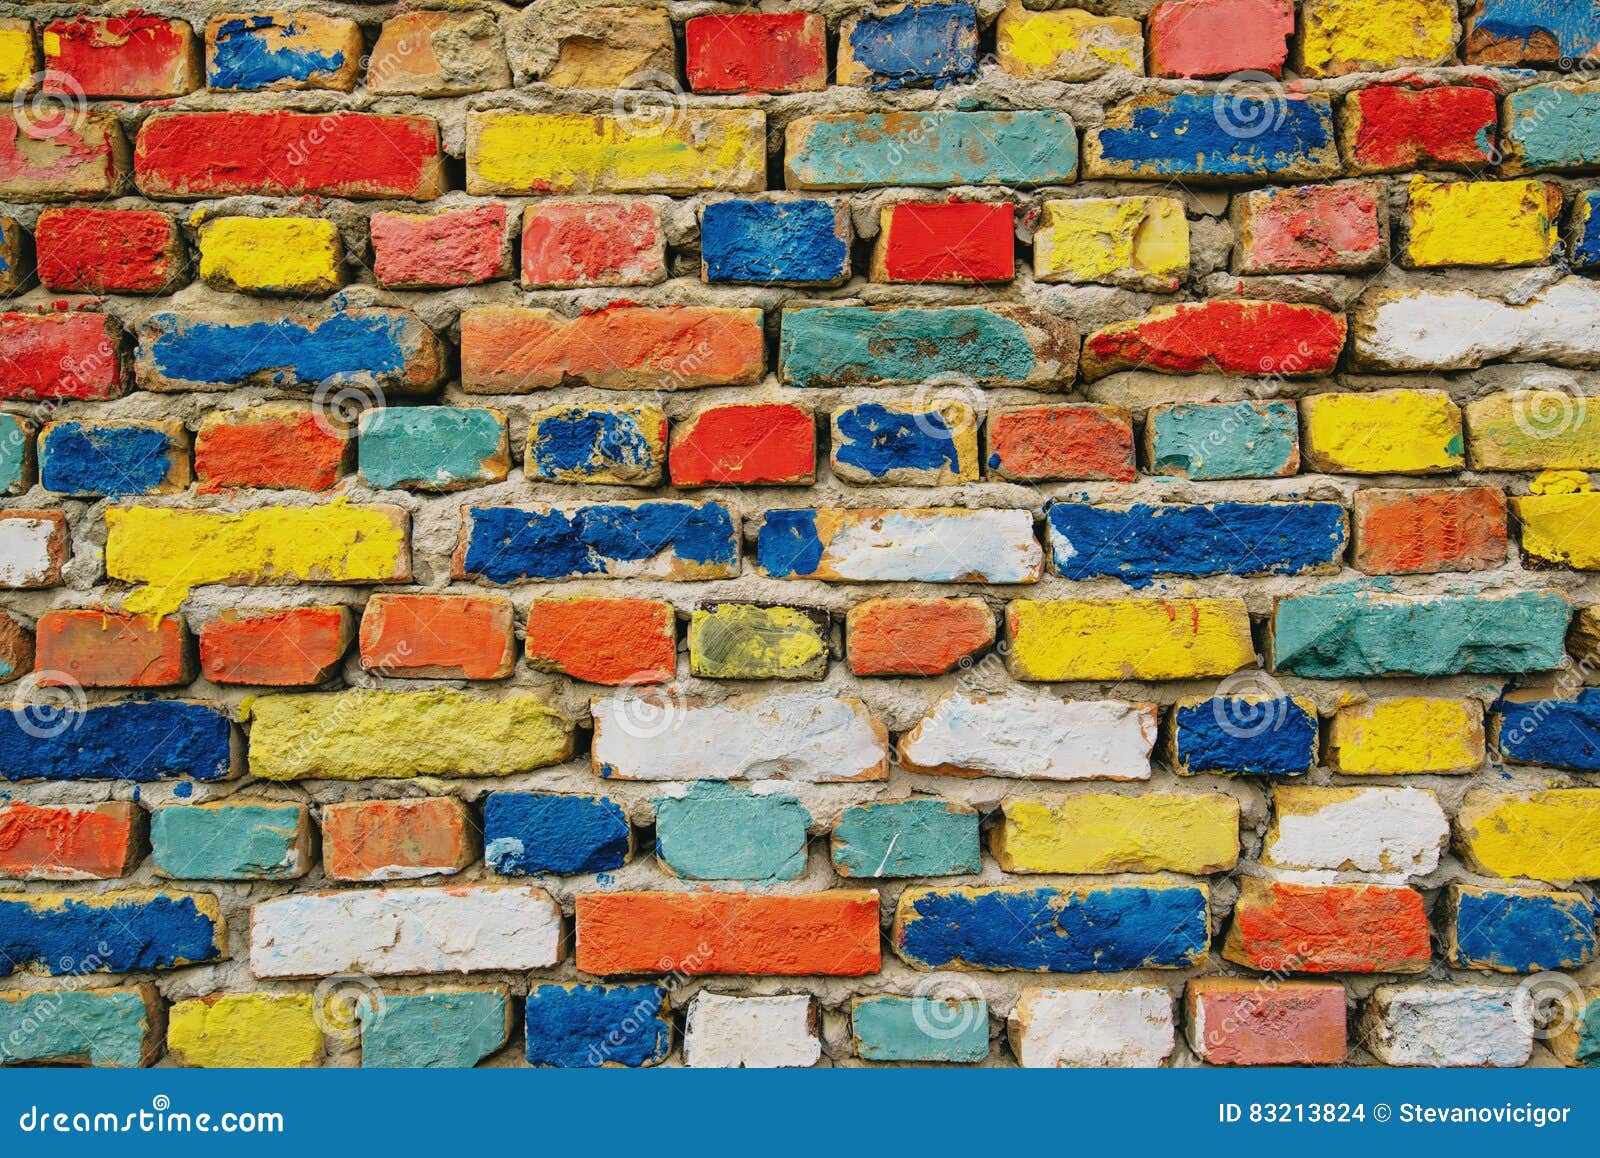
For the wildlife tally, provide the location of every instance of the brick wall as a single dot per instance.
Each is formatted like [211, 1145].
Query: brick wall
[631, 534]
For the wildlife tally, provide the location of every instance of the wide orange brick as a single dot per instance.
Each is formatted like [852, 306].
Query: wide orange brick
[439, 636]
[1240, 1021]
[282, 447]
[916, 637]
[390, 840]
[1412, 532]
[107, 649]
[1290, 928]
[70, 842]
[1071, 441]
[831, 934]
[604, 641]
[287, 648]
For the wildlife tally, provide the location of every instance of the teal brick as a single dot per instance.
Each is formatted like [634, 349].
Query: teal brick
[1207, 441]
[861, 150]
[926, 837]
[442, 1029]
[1553, 127]
[920, 1029]
[16, 454]
[716, 832]
[432, 447]
[230, 841]
[97, 1027]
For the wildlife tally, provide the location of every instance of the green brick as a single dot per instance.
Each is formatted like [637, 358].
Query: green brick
[920, 1029]
[716, 832]
[440, 1029]
[907, 838]
[97, 1027]
[231, 841]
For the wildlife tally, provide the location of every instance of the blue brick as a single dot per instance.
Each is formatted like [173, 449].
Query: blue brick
[131, 740]
[114, 459]
[254, 52]
[586, 1026]
[1586, 230]
[447, 1029]
[1204, 135]
[668, 540]
[775, 242]
[1244, 735]
[597, 444]
[541, 832]
[61, 934]
[919, 44]
[1518, 931]
[1137, 543]
[906, 443]
[432, 447]
[1562, 732]
[920, 1029]
[1528, 30]
[1104, 929]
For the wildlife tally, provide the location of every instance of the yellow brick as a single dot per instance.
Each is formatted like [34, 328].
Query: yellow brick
[1547, 836]
[1137, 242]
[18, 59]
[1067, 44]
[174, 551]
[245, 1031]
[1342, 36]
[1560, 528]
[1382, 432]
[271, 255]
[1493, 223]
[1534, 430]
[697, 150]
[359, 735]
[1102, 832]
[749, 642]
[1412, 734]
[1116, 639]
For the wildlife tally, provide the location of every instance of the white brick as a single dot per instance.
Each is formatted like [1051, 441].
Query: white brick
[799, 736]
[405, 930]
[1436, 1025]
[1392, 831]
[750, 1032]
[25, 551]
[1033, 737]
[1129, 1028]
[1459, 330]
[937, 545]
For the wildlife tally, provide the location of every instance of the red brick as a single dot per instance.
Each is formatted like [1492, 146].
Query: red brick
[773, 443]
[1239, 1021]
[136, 56]
[292, 647]
[604, 641]
[62, 355]
[1287, 928]
[1223, 336]
[16, 648]
[1391, 128]
[830, 934]
[1065, 442]
[70, 842]
[948, 243]
[388, 840]
[278, 446]
[916, 637]
[1416, 532]
[599, 242]
[108, 251]
[440, 250]
[1213, 38]
[107, 649]
[52, 155]
[757, 52]
[1314, 228]
[280, 153]
[439, 636]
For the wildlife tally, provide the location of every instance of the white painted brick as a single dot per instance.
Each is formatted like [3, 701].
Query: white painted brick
[1034, 737]
[405, 930]
[940, 545]
[1436, 1025]
[25, 551]
[750, 1032]
[1129, 1028]
[1391, 831]
[797, 736]
[1458, 330]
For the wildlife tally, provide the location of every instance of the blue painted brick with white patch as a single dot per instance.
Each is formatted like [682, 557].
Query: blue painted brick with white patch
[541, 832]
[667, 540]
[597, 444]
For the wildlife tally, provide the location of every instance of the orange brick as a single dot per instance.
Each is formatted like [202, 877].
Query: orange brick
[832, 934]
[107, 649]
[468, 637]
[1328, 929]
[287, 648]
[1410, 532]
[70, 842]
[604, 641]
[911, 637]
[389, 840]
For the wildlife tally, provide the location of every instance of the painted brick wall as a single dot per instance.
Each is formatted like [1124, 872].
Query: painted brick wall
[629, 533]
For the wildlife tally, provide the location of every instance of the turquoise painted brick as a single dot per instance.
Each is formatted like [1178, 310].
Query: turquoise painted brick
[98, 1027]
[440, 1029]
[862, 150]
[1219, 136]
[16, 454]
[1357, 633]
[231, 841]
[920, 1029]
[925, 837]
[432, 448]
[1553, 127]
[1207, 441]
[716, 832]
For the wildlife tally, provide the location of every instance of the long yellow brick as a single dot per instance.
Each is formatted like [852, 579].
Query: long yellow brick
[245, 1030]
[1115, 639]
[1409, 734]
[1549, 836]
[1105, 832]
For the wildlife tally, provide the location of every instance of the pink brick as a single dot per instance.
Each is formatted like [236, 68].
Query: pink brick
[440, 250]
[1314, 228]
[1209, 38]
[568, 244]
